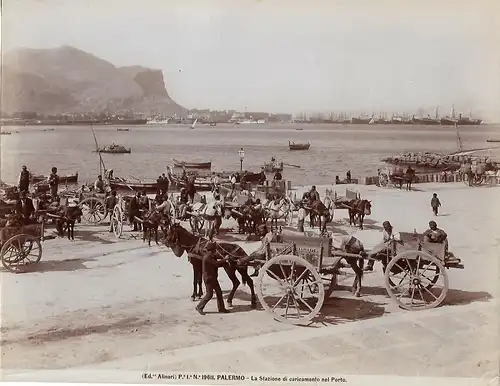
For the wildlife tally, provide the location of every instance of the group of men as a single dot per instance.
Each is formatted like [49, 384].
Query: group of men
[25, 180]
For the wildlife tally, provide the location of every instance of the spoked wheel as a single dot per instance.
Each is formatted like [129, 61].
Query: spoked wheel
[94, 210]
[416, 280]
[197, 223]
[383, 180]
[290, 289]
[20, 251]
[117, 221]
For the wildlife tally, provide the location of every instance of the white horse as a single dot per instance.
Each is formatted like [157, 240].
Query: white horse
[277, 209]
[205, 215]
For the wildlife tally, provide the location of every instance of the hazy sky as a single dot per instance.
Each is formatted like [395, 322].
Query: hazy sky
[287, 56]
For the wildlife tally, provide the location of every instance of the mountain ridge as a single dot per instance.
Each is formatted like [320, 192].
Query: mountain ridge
[67, 79]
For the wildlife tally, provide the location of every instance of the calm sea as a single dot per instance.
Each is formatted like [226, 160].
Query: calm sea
[334, 148]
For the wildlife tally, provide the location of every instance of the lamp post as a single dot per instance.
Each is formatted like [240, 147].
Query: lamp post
[241, 154]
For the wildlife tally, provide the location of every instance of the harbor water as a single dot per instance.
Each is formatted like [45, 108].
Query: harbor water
[334, 148]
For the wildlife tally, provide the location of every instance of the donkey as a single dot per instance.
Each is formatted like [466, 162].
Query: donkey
[67, 217]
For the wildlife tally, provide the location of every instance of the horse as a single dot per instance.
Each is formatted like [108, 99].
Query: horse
[151, 221]
[180, 240]
[276, 209]
[67, 216]
[409, 178]
[248, 218]
[359, 208]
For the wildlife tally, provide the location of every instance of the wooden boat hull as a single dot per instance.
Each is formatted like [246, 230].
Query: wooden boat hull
[493, 140]
[299, 146]
[136, 186]
[71, 179]
[125, 151]
[192, 165]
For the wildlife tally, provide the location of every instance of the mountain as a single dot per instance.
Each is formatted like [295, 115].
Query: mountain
[66, 79]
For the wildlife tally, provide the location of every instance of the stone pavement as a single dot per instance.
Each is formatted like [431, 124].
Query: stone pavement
[451, 341]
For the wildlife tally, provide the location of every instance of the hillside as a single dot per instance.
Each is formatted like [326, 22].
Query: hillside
[66, 79]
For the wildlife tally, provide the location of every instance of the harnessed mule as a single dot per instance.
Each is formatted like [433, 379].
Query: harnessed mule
[180, 240]
[358, 209]
[318, 210]
[151, 221]
[67, 216]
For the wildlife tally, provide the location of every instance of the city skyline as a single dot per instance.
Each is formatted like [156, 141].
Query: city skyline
[268, 56]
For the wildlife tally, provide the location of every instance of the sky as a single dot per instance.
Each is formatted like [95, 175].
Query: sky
[287, 56]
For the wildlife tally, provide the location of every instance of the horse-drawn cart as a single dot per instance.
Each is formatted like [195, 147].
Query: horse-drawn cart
[302, 271]
[21, 246]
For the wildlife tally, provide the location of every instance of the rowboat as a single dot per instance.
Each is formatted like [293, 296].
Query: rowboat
[273, 167]
[70, 179]
[298, 146]
[122, 129]
[493, 140]
[122, 184]
[192, 165]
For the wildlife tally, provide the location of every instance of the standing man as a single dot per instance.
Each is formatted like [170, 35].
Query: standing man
[165, 183]
[210, 266]
[111, 202]
[191, 188]
[134, 210]
[24, 180]
[25, 207]
[54, 184]
[348, 176]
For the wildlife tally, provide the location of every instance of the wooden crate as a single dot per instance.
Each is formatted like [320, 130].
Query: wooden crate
[312, 249]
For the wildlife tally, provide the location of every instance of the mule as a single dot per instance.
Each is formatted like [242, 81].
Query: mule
[318, 211]
[358, 209]
[180, 240]
[151, 221]
[277, 209]
[67, 218]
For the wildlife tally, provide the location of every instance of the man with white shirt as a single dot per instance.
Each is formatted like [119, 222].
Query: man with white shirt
[387, 235]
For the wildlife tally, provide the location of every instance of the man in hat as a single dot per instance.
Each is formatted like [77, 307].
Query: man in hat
[24, 179]
[387, 234]
[111, 202]
[25, 207]
[210, 266]
[134, 211]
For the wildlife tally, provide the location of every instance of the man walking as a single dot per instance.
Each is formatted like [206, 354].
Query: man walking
[210, 266]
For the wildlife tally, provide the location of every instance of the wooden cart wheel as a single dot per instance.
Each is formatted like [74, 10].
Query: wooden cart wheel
[383, 180]
[290, 289]
[94, 210]
[416, 280]
[20, 251]
[117, 221]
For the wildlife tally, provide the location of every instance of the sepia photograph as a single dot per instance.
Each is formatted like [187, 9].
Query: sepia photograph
[250, 192]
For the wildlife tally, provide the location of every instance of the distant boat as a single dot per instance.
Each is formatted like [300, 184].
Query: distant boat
[299, 129]
[51, 129]
[5, 133]
[213, 124]
[273, 166]
[113, 149]
[119, 183]
[298, 146]
[122, 129]
[493, 140]
[192, 165]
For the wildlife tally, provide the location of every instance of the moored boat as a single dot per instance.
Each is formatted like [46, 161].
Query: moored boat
[493, 140]
[298, 146]
[192, 165]
[273, 166]
[69, 179]
[123, 184]
[5, 133]
[114, 149]
[122, 129]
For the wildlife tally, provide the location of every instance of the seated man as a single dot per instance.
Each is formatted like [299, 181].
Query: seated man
[436, 235]
[99, 185]
[25, 208]
[388, 234]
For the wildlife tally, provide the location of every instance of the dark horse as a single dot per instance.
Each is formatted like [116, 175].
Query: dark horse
[67, 216]
[247, 217]
[358, 209]
[318, 210]
[180, 239]
[151, 221]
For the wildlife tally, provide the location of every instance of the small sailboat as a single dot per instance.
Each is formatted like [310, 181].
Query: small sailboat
[194, 123]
